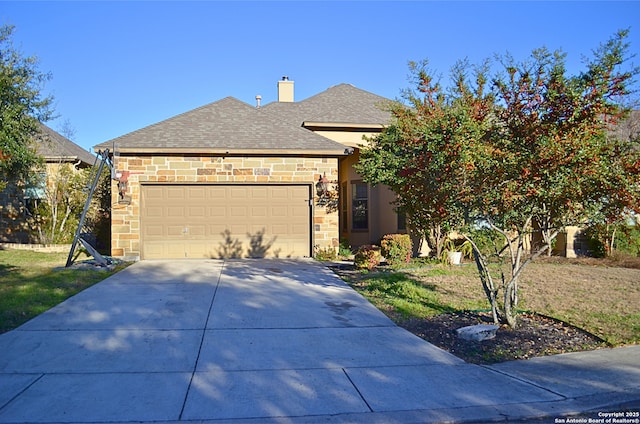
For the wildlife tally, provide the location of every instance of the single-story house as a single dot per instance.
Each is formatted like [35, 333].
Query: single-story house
[230, 179]
[15, 200]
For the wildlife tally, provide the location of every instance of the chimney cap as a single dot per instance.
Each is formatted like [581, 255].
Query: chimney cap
[285, 78]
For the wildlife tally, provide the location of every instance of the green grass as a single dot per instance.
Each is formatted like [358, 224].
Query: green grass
[599, 297]
[404, 295]
[32, 282]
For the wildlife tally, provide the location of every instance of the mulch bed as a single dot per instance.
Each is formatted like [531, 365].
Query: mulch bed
[535, 335]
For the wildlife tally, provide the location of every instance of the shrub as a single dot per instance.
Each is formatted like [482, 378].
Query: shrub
[488, 241]
[626, 239]
[367, 257]
[325, 254]
[396, 248]
[344, 250]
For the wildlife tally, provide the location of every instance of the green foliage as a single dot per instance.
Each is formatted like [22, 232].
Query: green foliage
[324, 254]
[628, 240]
[21, 107]
[526, 145]
[625, 238]
[396, 248]
[488, 241]
[344, 250]
[367, 257]
[55, 218]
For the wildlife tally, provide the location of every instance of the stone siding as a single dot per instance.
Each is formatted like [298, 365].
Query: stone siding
[125, 223]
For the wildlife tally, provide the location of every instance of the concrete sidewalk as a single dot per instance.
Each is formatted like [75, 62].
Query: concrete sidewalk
[278, 341]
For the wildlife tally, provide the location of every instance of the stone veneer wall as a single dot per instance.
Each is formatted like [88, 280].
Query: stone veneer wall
[125, 218]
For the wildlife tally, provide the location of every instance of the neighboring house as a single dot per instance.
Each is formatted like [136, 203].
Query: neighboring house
[232, 180]
[573, 242]
[17, 198]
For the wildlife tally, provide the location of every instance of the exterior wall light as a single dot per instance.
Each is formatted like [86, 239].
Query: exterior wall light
[322, 186]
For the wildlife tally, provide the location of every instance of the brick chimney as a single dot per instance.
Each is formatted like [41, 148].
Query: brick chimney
[285, 90]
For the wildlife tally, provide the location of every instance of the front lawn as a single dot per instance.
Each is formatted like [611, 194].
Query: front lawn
[32, 282]
[599, 297]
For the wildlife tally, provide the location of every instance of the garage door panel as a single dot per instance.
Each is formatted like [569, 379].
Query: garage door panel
[175, 249]
[174, 230]
[155, 212]
[175, 211]
[187, 221]
[196, 192]
[280, 193]
[216, 211]
[279, 228]
[175, 193]
[238, 193]
[238, 229]
[155, 230]
[238, 212]
[197, 211]
[259, 212]
[154, 249]
[258, 193]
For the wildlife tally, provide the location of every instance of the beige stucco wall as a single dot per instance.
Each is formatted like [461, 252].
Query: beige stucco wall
[125, 223]
[348, 138]
[382, 216]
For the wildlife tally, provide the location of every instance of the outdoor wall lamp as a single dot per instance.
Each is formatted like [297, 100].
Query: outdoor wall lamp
[322, 186]
[123, 184]
[122, 188]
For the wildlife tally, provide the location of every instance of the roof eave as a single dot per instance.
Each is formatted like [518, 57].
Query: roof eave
[343, 125]
[50, 159]
[231, 152]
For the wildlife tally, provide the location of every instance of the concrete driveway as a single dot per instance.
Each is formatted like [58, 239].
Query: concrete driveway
[259, 341]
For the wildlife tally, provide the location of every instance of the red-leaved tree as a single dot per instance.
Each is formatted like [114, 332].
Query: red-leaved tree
[524, 150]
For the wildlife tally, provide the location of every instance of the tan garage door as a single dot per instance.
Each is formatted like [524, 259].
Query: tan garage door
[214, 221]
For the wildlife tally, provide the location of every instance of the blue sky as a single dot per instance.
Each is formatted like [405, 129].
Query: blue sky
[119, 66]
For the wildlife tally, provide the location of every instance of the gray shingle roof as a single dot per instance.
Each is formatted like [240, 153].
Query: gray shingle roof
[55, 147]
[341, 103]
[228, 124]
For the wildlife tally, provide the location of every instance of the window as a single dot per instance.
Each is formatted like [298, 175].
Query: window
[36, 187]
[35, 192]
[402, 220]
[359, 206]
[345, 211]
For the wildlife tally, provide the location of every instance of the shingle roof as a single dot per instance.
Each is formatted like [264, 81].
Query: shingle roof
[55, 147]
[228, 124]
[341, 103]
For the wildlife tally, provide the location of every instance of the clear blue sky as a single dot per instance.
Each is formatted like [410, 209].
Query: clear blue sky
[119, 66]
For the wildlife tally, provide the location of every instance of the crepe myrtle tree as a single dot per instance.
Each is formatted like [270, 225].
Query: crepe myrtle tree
[521, 148]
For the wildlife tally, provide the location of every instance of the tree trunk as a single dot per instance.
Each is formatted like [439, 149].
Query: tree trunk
[613, 239]
[64, 220]
[487, 282]
[436, 239]
[511, 302]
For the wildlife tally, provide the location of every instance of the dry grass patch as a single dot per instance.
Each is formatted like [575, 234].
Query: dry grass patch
[573, 305]
[596, 296]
